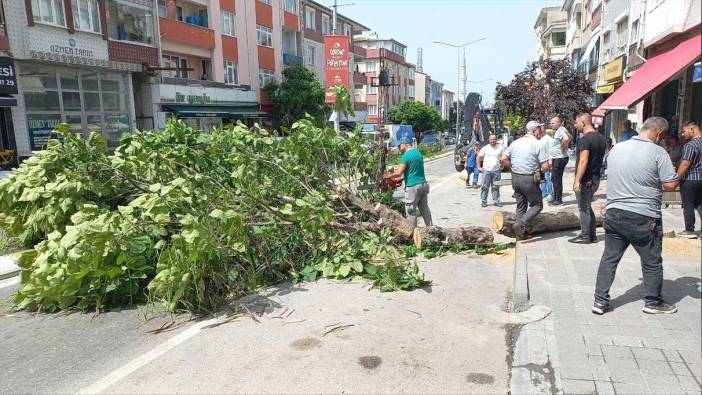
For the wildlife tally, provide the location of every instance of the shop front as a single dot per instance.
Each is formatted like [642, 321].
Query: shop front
[87, 99]
[207, 104]
[613, 73]
[8, 88]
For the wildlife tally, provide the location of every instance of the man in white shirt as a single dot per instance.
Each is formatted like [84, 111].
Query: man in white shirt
[546, 184]
[489, 164]
[559, 159]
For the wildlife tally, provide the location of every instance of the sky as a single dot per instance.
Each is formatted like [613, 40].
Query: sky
[507, 25]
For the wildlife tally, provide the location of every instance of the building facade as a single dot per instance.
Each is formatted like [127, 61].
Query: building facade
[77, 62]
[446, 103]
[550, 28]
[388, 55]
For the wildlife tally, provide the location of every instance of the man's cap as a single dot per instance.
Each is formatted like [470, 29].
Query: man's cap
[531, 125]
[476, 143]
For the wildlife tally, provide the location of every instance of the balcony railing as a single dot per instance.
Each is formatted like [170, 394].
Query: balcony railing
[186, 33]
[360, 51]
[290, 60]
[359, 78]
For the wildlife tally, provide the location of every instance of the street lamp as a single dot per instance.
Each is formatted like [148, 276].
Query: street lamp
[458, 86]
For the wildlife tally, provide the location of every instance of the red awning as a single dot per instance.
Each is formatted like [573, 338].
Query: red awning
[653, 74]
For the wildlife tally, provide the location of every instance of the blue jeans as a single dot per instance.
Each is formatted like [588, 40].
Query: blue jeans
[476, 175]
[547, 185]
[489, 178]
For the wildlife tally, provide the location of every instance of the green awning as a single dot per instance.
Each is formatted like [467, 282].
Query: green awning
[213, 111]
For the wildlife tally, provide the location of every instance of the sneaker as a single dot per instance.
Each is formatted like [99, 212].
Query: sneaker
[484, 204]
[599, 308]
[660, 308]
[498, 204]
[555, 203]
[580, 239]
[593, 239]
[688, 234]
[475, 187]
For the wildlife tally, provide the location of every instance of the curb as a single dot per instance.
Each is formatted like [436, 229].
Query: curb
[8, 267]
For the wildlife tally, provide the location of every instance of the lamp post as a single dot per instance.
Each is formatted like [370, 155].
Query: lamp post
[458, 86]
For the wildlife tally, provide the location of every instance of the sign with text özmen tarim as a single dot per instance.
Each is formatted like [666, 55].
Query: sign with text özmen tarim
[8, 76]
[336, 64]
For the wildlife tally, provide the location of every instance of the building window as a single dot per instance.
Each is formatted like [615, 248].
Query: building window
[175, 62]
[311, 52]
[265, 1]
[131, 22]
[265, 77]
[622, 32]
[48, 11]
[635, 31]
[347, 30]
[290, 6]
[230, 74]
[264, 36]
[227, 23]
[558, 39]
[373, 90]
[411, 74]
[162, 8]
[326, 29]
[86, 16]
[372, 110]
[310, 22]
[371, 66]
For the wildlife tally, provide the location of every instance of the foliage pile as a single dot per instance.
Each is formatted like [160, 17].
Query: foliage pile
[191, 219]
[546, 89]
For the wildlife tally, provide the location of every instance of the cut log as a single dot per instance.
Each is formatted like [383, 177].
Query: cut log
[565, 219]
[404, 232]
[436, 235]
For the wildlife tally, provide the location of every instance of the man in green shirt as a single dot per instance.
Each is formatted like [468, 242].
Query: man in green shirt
[411, 168]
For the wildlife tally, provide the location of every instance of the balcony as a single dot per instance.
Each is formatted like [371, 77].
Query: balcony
[360, 78]
[360, 51]
[186, 33]
[292, 60]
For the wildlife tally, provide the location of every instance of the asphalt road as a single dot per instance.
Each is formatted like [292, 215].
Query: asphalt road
[319, 337]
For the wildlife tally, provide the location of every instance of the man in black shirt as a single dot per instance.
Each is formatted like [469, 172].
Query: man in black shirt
[590, 153]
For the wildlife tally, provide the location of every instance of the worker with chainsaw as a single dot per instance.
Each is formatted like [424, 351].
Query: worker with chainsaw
[411, 169]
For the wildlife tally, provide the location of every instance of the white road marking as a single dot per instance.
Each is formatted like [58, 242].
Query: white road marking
[125, 370]
[9, 282]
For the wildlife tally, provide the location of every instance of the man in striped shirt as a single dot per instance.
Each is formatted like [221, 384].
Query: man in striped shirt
[690, 172]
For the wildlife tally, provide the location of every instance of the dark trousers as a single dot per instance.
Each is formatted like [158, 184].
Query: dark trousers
[624, 228]
[528, 195]
[691, 192]
[588, 221]
[557, 170]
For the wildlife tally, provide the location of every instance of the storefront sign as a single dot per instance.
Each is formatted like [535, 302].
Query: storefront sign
[336, 64]
[193, 99]
[40, 128]
[8, 76]
[72, 49]
[605, 89]
[614, 70]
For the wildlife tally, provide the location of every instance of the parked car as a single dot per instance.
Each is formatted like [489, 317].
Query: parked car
[450, 139]
[430, 140]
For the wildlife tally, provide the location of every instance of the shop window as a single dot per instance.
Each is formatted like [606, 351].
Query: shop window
[264, 36]
[86, 16]
[265, 77]
[128, 21]
[230, 73]
[40, 127]
[228, 23]
[48, 11]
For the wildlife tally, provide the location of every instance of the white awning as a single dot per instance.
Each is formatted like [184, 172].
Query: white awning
[590, 45]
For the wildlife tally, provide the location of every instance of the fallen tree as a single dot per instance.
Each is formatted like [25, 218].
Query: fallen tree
[545, 222]
[193, 219]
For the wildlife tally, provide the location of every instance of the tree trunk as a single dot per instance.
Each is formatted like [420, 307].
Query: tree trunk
[436, 235]
[565, 219]
[403, 232]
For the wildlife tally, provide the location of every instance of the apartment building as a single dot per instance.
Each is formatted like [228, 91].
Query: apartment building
[317, 22]
[384, 55]
[446, 103]
[550, 28]
[428, 91]
[75, 62]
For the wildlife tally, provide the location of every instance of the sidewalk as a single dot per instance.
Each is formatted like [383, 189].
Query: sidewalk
[623, 351]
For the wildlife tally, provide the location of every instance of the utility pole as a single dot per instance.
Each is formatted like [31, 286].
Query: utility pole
[335, 12]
